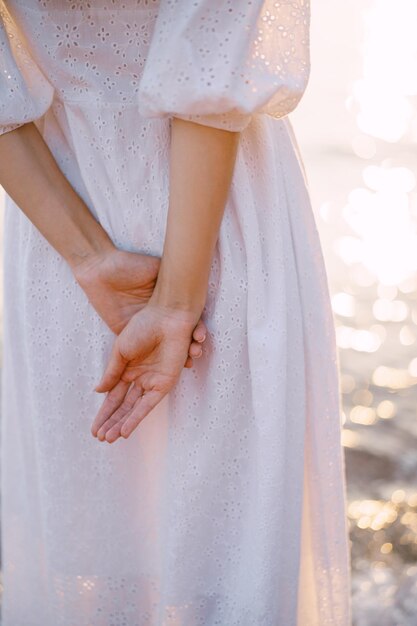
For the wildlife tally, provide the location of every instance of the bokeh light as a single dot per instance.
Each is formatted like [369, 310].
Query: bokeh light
[361, 165]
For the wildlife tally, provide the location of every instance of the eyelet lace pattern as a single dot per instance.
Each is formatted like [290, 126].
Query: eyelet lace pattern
[227, 505]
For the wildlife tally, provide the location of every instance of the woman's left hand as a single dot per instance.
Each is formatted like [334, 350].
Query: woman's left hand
[146, 361]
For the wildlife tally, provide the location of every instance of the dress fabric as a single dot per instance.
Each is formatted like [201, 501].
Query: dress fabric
[227, 506]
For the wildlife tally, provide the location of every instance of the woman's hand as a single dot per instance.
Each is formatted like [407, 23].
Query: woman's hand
[119, 284]
[145, 364]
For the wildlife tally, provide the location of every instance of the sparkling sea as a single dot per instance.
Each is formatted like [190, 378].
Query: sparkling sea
[357, 130]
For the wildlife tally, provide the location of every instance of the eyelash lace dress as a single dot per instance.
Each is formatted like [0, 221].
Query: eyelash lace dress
[226, 507]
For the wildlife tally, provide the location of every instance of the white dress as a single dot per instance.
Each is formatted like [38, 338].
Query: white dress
[226, 507]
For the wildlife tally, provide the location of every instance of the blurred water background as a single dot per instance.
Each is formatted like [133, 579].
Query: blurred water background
[357, 130]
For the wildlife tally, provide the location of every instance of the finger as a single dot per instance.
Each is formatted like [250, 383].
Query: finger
[189, 362]
[111, 423]
[200, 331]
[113, 371]
[115, 421]
[112, 402]
[195, 350]
[112, 418]
[114, 432]
[143, 406]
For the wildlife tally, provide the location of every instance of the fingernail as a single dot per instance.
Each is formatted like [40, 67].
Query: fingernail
[202, 339]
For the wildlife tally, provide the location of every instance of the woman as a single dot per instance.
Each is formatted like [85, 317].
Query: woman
[132, 132]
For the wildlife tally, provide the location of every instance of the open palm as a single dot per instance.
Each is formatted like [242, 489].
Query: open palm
[145, 364]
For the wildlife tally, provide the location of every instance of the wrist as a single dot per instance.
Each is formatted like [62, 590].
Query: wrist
[179, 288]
[88, 256]
[187, 306]
[89, 252]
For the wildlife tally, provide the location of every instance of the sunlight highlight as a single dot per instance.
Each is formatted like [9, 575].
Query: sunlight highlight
[389, 78]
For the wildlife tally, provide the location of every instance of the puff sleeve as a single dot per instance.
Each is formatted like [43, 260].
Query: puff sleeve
[218, 62]
[25, 93]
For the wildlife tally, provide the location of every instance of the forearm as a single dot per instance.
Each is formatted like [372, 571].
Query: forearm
[201, 169]
[31, 176]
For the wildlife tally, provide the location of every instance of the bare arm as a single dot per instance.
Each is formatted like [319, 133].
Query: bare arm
[31, 176]
[201, 167]
[202, 161]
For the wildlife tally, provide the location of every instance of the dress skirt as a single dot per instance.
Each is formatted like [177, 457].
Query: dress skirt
[226, 507]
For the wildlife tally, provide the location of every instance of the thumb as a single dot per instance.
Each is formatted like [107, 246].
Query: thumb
[114, 370]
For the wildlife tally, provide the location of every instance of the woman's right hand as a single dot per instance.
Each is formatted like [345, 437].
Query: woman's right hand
[119, 284]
